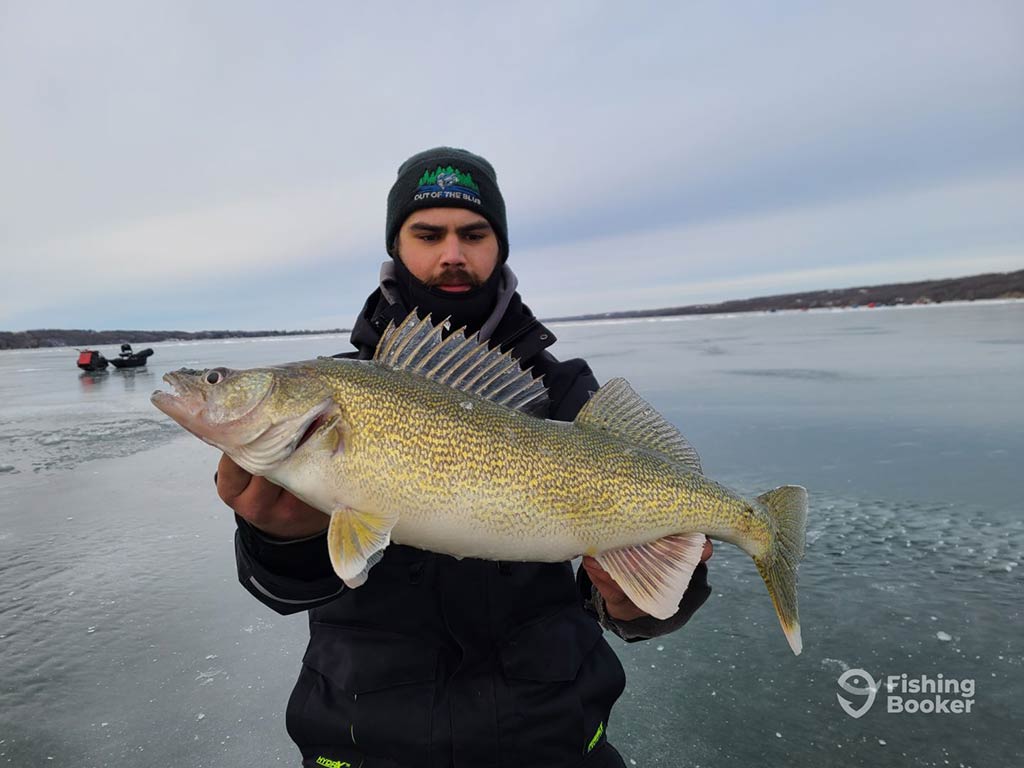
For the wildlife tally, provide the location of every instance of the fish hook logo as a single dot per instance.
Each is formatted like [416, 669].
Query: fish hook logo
[871, 690]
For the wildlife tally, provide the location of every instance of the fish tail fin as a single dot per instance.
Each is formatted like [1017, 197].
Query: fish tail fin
[787, 510]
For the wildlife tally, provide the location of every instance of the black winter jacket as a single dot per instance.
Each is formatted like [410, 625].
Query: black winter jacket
[442, 663]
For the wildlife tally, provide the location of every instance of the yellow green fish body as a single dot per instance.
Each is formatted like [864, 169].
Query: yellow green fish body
[476, 479]
[432, 444]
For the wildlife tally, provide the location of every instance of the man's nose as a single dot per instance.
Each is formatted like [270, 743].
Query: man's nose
[451, 251]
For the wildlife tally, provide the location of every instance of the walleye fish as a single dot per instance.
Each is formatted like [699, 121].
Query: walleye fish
[436, 443]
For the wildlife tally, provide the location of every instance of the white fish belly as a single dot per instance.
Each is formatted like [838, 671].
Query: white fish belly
[459, 532]
[464, 535]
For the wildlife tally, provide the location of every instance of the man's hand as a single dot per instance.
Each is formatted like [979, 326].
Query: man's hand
[267, 506]
[616, 603]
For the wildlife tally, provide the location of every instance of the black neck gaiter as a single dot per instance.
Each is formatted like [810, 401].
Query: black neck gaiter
[469, 309]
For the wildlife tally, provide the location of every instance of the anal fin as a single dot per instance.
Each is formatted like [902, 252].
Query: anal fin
[356, 542]
[655, 575]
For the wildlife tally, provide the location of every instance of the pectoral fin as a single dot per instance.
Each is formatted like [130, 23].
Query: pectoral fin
[655, 575]
[356, 542]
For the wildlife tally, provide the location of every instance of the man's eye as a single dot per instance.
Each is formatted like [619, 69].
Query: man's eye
[428, 238]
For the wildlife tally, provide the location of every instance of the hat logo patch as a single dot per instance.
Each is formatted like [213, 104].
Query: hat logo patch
[447, 183]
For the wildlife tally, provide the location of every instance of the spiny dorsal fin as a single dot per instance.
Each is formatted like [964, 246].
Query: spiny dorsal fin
[465, 364]
[615, 407]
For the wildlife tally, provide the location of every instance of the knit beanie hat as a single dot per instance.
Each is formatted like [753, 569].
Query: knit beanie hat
[446, 177]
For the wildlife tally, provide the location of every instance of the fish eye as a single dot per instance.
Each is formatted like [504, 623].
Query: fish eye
[214, 377]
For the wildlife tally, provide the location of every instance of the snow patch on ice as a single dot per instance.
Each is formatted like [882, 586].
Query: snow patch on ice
[204, 678]
[839, 663]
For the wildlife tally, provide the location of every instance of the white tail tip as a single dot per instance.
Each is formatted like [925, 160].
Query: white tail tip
[793, 636]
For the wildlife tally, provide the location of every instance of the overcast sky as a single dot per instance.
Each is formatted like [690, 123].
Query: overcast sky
[226, 164]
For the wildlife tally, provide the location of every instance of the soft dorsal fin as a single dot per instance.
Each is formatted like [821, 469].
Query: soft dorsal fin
[466, 364]
[615, 407]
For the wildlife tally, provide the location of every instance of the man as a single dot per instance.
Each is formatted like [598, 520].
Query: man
[436, 662]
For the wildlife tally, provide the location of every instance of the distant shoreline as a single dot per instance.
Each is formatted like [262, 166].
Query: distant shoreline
[810, 310]
[56, 337]
[998, 285]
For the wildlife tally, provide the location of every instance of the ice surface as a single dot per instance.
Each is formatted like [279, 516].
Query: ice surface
[922, 542]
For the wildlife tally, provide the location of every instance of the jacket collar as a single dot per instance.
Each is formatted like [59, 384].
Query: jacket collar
[510, 326]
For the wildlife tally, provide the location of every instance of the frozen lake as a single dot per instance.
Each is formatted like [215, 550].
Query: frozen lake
[124, 636]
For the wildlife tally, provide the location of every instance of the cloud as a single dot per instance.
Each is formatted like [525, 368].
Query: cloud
[933, 232]
[192, 147]
[167, 255]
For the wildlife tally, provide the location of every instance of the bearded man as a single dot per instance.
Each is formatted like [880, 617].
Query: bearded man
[436, 662]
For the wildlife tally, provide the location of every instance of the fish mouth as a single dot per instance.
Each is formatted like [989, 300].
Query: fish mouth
[185, 404]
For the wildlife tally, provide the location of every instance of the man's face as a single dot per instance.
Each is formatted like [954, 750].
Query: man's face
[453, 249]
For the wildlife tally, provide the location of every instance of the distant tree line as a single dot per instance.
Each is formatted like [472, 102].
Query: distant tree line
[998, 285]
[59, 337]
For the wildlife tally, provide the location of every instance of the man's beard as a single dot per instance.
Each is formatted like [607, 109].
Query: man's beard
[465, 308]
[456, 276]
